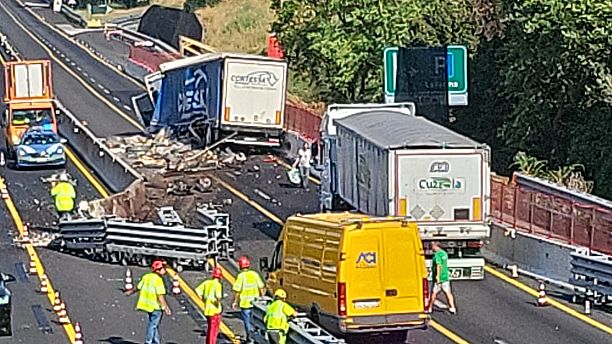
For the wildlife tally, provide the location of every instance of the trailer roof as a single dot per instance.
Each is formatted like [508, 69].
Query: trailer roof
[393, 129]
[197, 59]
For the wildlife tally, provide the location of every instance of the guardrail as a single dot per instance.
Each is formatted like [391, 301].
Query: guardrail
[118, 175]
[74, 16]
[10, 50]
[545, 209]
[128, 241]
[301, 329]
[593, 272]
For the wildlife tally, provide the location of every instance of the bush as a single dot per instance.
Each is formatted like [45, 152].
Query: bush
[192, 5]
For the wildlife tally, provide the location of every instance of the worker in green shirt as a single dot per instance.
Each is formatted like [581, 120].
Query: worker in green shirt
[439, 269]
[152, 301]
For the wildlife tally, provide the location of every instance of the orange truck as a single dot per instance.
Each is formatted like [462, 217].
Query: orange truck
[29, 100]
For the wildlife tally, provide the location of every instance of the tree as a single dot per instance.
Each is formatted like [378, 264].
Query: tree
[339, 43]
[554, 85]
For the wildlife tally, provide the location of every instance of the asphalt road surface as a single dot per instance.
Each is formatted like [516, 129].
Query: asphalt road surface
[489, 310]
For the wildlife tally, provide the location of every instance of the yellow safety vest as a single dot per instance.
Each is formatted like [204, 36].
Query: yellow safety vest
[150, 286]
[248, 284]
[277, 316]
[64, 195]
[211, 291]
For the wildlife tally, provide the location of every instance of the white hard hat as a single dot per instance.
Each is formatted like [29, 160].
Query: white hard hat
[63, 177]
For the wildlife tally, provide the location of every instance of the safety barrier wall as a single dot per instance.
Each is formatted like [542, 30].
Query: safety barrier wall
[543, 209]
[117, 175]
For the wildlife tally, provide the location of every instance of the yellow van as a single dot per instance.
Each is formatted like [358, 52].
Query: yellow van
[352, 274]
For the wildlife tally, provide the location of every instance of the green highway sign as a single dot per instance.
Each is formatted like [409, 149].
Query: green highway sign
[456, 64]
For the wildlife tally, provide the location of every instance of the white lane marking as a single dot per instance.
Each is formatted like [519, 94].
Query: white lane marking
[106, 91]
[116, 99]
[79, 69]
[127, 108]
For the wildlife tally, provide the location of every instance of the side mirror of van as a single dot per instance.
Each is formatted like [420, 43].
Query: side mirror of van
[263, 264]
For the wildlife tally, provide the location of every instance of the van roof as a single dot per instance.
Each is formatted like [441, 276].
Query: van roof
[344, 218]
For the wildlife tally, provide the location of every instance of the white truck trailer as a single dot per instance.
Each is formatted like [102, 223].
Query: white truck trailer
[240, 97]
[381, 159]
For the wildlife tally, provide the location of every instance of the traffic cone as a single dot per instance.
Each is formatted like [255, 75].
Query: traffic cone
[78, 336]
[542, 301]
[129, 284]
[44, 288]
[25, 236]
[33, 270]
[176, 289]
[63, 315]
[57, 302]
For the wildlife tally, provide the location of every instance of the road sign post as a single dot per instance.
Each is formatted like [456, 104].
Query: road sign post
[457, 74]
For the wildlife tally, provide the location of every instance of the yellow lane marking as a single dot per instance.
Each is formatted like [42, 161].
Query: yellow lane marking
[289, 167]
[68, 328]
[449, 334]
[75, 42]
[552, 302]
[85, 172]
[194, 297]
[71, 72]
[246, 198]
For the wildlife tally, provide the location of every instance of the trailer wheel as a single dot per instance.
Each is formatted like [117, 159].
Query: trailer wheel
[179, 268]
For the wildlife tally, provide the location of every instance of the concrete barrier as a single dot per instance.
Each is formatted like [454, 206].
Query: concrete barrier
[541, 256]
[117, 175]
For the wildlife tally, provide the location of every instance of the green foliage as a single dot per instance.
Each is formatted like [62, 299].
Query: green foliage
[530, 165]
[568, 176]
[540, 70]
[339, 43]
[192, 5]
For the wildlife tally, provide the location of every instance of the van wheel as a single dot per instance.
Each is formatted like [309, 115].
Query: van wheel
[314, 315]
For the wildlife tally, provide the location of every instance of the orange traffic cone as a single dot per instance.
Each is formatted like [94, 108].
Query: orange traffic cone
[78, 336]
[57, 302]
[63, 315]
[33, 270]
[176, 289]
[129, 284]
[25, 236]
[542, 300]
[44, 288]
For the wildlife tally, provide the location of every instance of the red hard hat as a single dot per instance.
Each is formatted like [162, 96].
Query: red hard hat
[216, 273]
[244, 262]
[157, 265]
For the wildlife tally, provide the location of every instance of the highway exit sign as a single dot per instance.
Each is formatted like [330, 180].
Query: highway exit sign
[456, 65]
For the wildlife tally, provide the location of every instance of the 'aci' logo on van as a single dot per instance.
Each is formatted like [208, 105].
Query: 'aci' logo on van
[366, 260]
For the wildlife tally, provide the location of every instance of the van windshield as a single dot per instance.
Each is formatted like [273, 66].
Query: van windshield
[32, 117]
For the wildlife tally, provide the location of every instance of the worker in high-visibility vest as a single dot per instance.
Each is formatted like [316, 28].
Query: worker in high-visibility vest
[64, 195]
[277, 318]
[152, 300]
[211, 292]
[248, 287]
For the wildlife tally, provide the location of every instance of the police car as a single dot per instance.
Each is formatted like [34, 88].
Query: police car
[5, 305]
[40, 147]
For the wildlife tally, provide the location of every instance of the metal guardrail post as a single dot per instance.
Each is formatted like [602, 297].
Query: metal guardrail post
[593, 271]
[301, 329]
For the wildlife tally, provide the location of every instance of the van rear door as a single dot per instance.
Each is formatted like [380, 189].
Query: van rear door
[382, 271]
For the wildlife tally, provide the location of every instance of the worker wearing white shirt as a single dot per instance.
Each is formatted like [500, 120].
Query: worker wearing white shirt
[303, 163]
